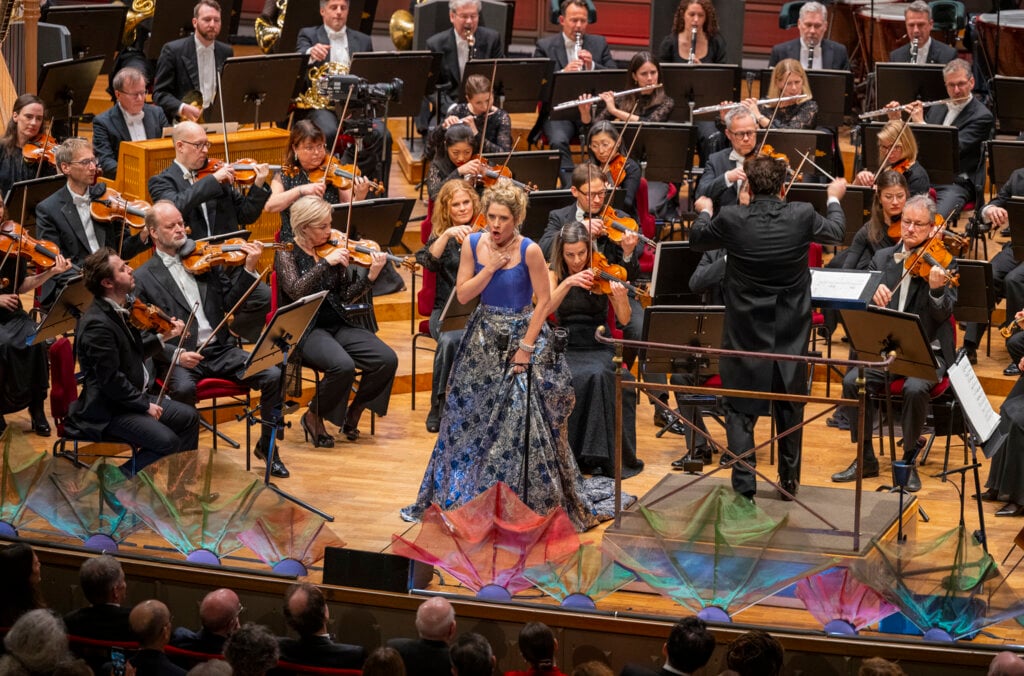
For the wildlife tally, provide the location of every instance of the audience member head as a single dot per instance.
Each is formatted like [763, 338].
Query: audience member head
[26, 122]
[1006, 663]
[593, 668]
[537, 645]
[251, 650]
[695, 12]
[72, 667]
[765, 175]
[471, 656]
[219, 611]
[102, 580]
[878, 666]
[756, 653]
[506, 195]
[435, 620]
[211, 668]
[150, 621]
[35, 644]
[20, 571]
[689, 645]
[456, 204]
[305, 609]
[384, 662]
[812, 23]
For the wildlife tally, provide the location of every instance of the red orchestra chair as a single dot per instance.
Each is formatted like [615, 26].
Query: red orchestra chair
[648, 227]
[186, 659]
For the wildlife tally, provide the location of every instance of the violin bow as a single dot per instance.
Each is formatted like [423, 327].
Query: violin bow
[615, 150]
[231, 313]
[775, 111]
[796, 173]
[42, 156]
[352, 196]
[918, 252]
[885, 160]
[337, 135]
[504, 165]
[487, 115]
[177, 352]
[223, 122]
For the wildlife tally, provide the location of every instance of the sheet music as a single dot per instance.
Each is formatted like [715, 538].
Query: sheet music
[980, 415]
[852, 288]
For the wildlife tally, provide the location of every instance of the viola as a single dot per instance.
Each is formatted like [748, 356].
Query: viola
[341, 177]
[228, 253]
[147, 317]
[619, 225]
[42, 147]
[360, 251]
[605, 273]
[492, 173]
[245, 169]
[933, 254]
[42, 254]
[111, 205]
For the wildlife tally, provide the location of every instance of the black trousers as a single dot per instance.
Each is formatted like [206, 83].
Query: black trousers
[177, 430]
[915, 409]
[739, 431]
[561, 133]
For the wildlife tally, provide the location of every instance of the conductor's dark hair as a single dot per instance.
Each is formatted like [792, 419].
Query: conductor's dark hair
[689, 645]
[765, 174]
[95, 268]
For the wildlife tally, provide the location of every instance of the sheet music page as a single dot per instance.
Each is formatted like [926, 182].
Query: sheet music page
[846, 285]
[982, 418]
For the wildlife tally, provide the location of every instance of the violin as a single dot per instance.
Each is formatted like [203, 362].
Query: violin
[111, 205]
[228, 253]
[617, 226]
[40, 253]
[341, 177]
[42, 147]
[932, 254]
[491, 174]
[605, 273]
[147, 317]
[901, 166]
[617, 168]
[895, 230]
[245, 169]
[360, 251]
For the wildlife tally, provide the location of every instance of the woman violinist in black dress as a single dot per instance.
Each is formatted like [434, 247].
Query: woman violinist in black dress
[26, 125]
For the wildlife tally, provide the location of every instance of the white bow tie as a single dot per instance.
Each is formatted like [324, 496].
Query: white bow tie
[81, 200]
[335, 35]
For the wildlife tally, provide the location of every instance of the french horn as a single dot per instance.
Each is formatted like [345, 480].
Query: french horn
[312, 99]
[267, 34]
[139, 12]
[400, 28]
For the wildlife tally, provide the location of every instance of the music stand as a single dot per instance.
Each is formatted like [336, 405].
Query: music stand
[878, 330]
[666, 147]
[674, 264]
[701, 84]
[1003, 158]
[1008, 94]
[905, 82]
[63, 314]
[95, 29]
[792, 142]
[65, 86]
[455, 313]
[416, 69]
[975, 298]
[569, 86]
[856, 203]
[536, 167]
[833, 92]
[542, 203]
[30, 193]
[1015, 214]
[518, 83]
[173, 20]
[279, 337]
[850, 289]
[250, 87]
[381, 220]
[693, 325]
[933, 149]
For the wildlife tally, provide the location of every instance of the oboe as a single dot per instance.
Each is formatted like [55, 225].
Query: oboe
[913, 51]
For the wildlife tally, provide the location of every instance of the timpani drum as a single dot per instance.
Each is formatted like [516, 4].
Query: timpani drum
[843, 29]
[880, 31]
[1009, 29]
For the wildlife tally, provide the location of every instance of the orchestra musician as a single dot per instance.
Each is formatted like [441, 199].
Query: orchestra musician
[481, 116]
[767, 307]
[593, 53]
[455, 158]
[882, 229]
[652, 106]
[580, 310]
[603, 149]
[897, 150]
[453, 218]
[211, 205]
[811, 49]
[336, 344]
[464, 41]
[129, 119]
[1006, 474]
[975, 125]
[710, 46]
[115, 361]
[333, 41]
[723, 175]
[65, 217]
[788, 79]
[307, 153]
[191, 64]
[24, 374]
[931, 299]
[165, 281]
[26, 124]
[918, 18]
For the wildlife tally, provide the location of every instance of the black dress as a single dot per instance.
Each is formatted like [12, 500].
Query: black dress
[14, 168]
[24, 372]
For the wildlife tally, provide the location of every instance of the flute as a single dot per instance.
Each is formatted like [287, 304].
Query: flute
[594, 99]
[762, 102]
[906, 106]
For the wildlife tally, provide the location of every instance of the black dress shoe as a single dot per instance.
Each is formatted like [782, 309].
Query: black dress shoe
[433, 426]
[1011, 370]
[972, 356]
[40, 425]
[277, 467]
[791, 486]
[320, 439]
[991, 495]
[1011, 509]
[850, 473]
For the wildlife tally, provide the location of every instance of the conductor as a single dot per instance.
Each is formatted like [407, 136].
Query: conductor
[767, 307]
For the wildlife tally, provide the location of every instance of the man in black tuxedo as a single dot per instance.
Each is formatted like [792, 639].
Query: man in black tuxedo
[130, 119]
[105, 619]
[164, 282]
[918, 18]
[592, 54]
[306, 613]
[333, 41]
[723, 179]
[211, 205]
[151, 622]
[454, 47]
[811, 49]
[114, 358]
[428, 654]
[689, 647]
[191, 64]
[218, 613]
[767, 306]
[65, 217]
[974, 124]
[929, 298]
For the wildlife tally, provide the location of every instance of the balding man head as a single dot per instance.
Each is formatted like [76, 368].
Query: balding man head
[435, 620]
[219, 612]
[151, 623]
[1006, 664]
[191, 146]
[305, 610]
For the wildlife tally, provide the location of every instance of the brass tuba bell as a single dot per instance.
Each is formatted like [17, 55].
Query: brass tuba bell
[267, 34]
[139, 12]
[400, 28]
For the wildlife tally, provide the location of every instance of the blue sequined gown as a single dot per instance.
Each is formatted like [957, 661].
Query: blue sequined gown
[481, 439]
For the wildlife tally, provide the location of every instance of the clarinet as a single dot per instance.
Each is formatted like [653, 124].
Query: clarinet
[810, 56]
[579, 44]
[471, 41]
[913, 51]
[693, 45]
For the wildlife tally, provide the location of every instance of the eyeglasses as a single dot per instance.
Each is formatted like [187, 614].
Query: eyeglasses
[136, 95]
[593, 193]
[744, 134]
[199, 145]
[85, 163]
[914, 225]
[313, 149]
